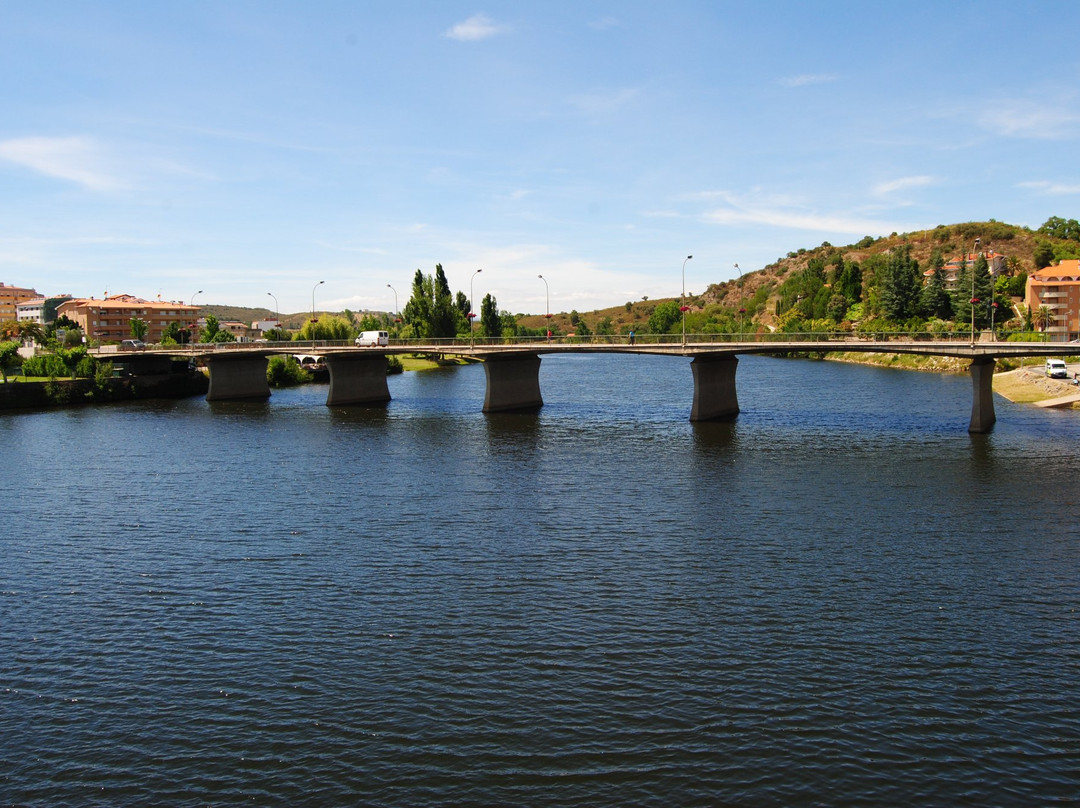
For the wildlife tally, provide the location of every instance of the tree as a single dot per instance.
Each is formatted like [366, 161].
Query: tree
[443, 320]
[490, 323]
[173, 334]
[934, 300]
[9, 358]
[1042, 317]
[139, 328]
[1057, 227]
[212, 327]
[327, 328]
[899, 285]
[1043, 255]
[664, 317]
[285, 371]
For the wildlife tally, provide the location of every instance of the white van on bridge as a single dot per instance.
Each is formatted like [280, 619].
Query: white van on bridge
[372, 339]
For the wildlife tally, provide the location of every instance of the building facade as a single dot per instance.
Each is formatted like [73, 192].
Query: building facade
[40, 310]
[1057, 288]
[11, 297]
[109, 320]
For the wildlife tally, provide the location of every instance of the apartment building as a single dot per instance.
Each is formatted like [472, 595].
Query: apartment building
[41, 309]
[109, 320]
[11, 297]
[1057, 288]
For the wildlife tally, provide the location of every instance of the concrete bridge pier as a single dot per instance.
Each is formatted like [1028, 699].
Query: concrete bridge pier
[235, 376]
[357, 379]
[714, 387]
[513, 382]
[982, 399]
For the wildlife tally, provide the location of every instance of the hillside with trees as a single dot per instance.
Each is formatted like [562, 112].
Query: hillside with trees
[875, 284]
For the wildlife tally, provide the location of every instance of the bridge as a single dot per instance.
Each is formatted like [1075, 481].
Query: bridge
[512, 368]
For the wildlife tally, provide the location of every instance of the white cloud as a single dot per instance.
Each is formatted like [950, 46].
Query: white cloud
[603, 23]
[902, 184]
[477, 27]
[604, 103]
[808, 78]
[784, 213]
[75, 159]
[1051, 188]
[1048, 121]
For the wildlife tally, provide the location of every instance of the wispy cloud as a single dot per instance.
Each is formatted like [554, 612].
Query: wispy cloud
[808, 78]
[76, 159]
[786, 213]
[477, 27]
[604, 103]
[1051, 188]
[603, 23]
[903, 184]
[1050, 120]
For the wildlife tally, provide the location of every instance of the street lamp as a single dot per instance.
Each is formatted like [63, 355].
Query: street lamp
[547, 304]
[313, 320]
[472, 312]
[738, 270]
[975, 258]
[682, 301]
[391, 288]
[277, 310]
[192, 305]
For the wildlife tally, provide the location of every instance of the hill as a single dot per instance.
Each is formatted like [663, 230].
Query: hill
[757, 291]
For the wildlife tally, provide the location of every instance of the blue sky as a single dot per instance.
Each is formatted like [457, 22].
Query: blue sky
[256, 148]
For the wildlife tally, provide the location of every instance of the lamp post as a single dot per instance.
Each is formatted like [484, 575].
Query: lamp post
[195, 319]
[472, 312]
[682, 299]
[392, 289]
[547, 304]
[975, 258]
[277, 310]
[313, 321]
[738, 270]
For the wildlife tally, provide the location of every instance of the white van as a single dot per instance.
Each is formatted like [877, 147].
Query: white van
[373, 338]
[1055, 369]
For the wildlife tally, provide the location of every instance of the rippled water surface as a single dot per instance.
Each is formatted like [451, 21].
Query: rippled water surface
[839, 598]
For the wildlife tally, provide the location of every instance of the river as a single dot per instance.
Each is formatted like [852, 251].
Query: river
[839, 598]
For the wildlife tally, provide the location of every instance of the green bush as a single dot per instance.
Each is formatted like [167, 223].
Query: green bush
[285, 371]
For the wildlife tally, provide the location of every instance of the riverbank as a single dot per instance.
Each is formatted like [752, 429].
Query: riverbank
[24, 395]
[1026, 384]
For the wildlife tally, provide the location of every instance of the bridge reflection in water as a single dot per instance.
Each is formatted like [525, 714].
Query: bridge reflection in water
[358, 375]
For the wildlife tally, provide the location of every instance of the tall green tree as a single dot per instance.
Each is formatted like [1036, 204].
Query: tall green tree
[432, 311]
[490, 322]
[417, 312]
[444, 320]
[899, 285]
[934, 300]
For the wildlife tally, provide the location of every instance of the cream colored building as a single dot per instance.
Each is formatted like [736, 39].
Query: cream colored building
[109, 320]
[1057, 288]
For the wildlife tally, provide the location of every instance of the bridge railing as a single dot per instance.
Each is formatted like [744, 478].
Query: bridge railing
[732, 338]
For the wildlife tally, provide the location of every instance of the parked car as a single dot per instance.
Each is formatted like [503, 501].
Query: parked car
[1055, 369]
